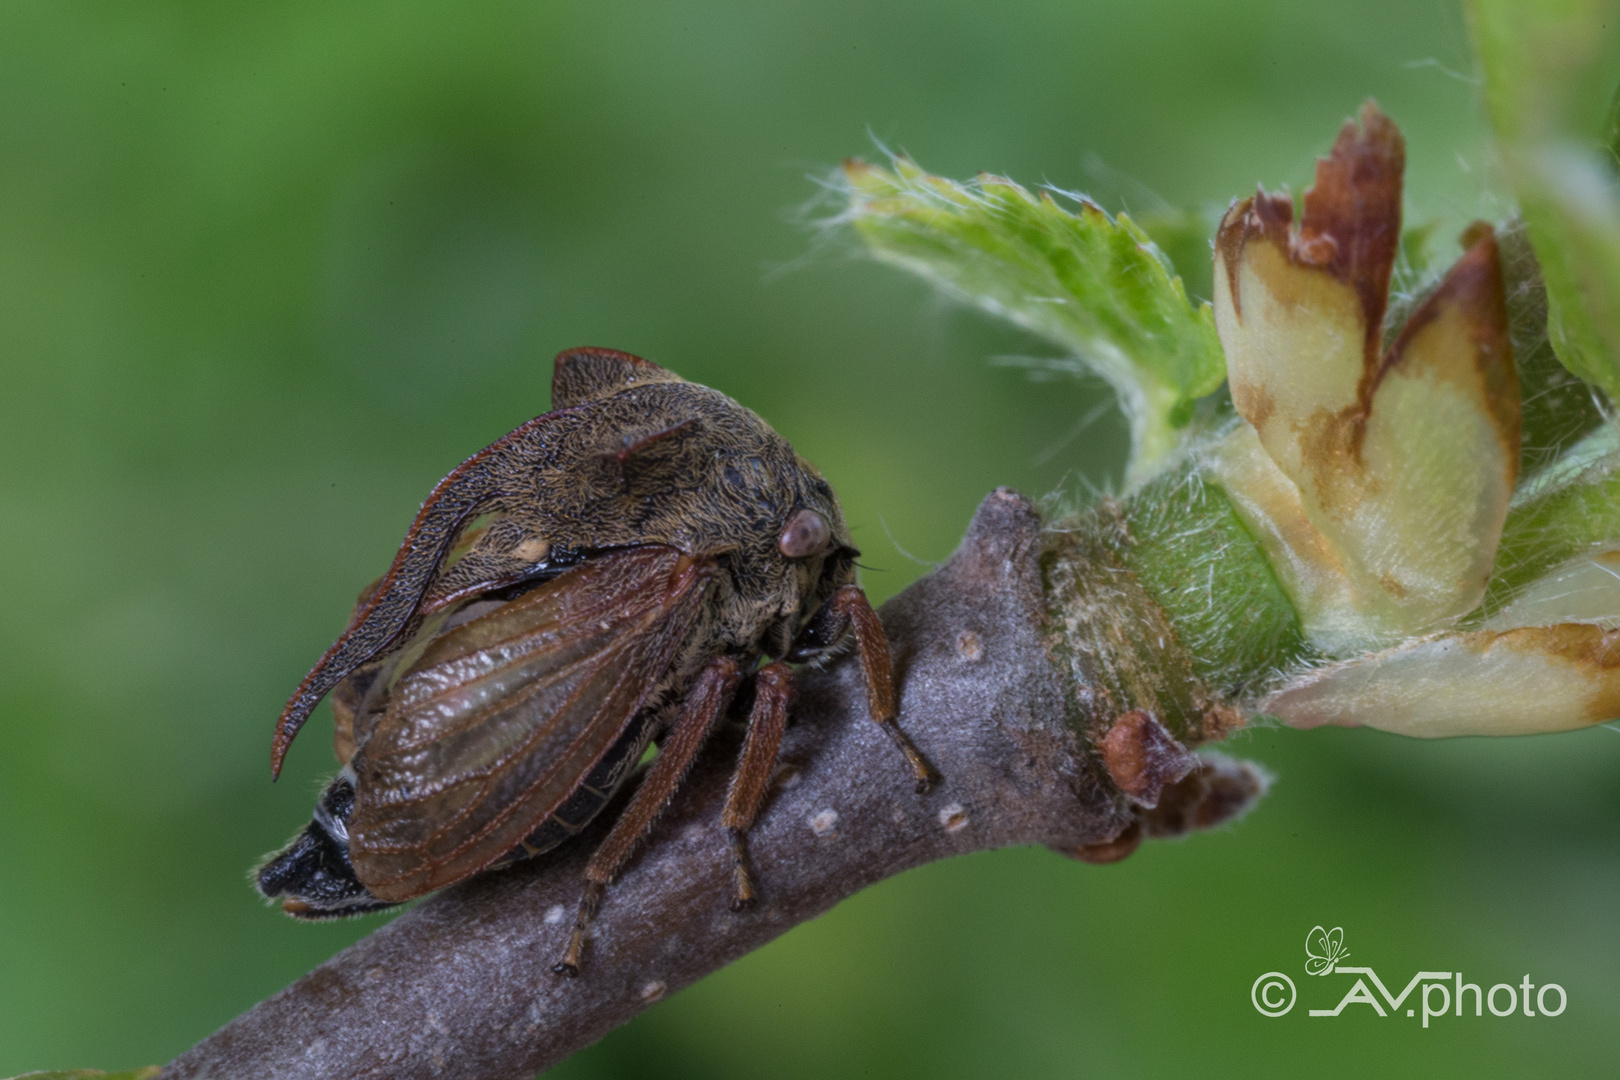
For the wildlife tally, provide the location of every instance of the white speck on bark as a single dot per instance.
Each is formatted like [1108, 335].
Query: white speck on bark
[970, 646]
[953, 817]
[824, 822]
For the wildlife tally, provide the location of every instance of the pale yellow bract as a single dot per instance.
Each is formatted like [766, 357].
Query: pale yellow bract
[1378, 480]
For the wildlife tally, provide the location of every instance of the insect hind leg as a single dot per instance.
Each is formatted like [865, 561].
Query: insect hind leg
[703, 705]
[312, 875]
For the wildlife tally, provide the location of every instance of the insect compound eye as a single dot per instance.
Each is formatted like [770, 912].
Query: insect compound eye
[805, 534]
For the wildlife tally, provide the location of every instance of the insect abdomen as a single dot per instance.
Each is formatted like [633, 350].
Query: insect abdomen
[313, 875]
[315, 879]
[588, 799]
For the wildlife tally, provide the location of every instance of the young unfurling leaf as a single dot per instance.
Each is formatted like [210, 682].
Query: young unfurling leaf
[1094, 285]
[1377, 467]
[1382, 481]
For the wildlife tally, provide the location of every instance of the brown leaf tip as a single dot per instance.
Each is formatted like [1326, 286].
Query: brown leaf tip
[1351, 226]
[1142, 756]
[1268, 217]
[1474, 289]
[1352, 221]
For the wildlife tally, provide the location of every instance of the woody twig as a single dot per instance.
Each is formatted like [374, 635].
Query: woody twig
[461, 988]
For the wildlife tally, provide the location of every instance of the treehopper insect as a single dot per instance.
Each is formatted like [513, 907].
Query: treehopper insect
[601, 579]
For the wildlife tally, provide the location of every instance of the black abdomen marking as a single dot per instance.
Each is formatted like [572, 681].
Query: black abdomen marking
[315, 880]
[588, 799]
[312, 874]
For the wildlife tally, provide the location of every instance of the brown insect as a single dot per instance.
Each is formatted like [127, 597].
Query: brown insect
[602, 578]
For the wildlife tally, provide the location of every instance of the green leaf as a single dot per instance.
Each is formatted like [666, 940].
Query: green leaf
[90, 1074]
[1541, 62]
[1556, 408]
[1095, 286]
[1571, 507]
[1571, 205]
[1186, 239]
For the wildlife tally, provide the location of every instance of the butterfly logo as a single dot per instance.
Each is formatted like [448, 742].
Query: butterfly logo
[1323, 949]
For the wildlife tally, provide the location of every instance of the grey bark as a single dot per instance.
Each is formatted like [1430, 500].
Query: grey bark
[460, 987]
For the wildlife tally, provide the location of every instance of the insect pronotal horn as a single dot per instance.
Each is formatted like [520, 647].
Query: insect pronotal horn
[458, 498]
[588, 374]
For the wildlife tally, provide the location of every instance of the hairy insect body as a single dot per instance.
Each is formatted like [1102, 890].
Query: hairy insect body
[597, 580]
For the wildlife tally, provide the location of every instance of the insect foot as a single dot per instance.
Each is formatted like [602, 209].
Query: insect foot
[849, 611]
[767, 720]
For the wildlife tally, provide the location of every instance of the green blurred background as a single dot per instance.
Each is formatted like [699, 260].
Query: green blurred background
[268, 271]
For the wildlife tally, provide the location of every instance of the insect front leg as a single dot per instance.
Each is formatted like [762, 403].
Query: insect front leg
[703, 705]
[773, 689]
[845, 610]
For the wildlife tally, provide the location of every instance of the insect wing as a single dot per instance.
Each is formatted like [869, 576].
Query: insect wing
[495, 725]
[389, 608]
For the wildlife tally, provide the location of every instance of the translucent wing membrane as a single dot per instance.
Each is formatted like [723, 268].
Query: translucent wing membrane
[490, 730]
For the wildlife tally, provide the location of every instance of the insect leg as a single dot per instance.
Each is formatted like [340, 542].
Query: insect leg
[703, 705]
[773, 686]
[849, 609]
